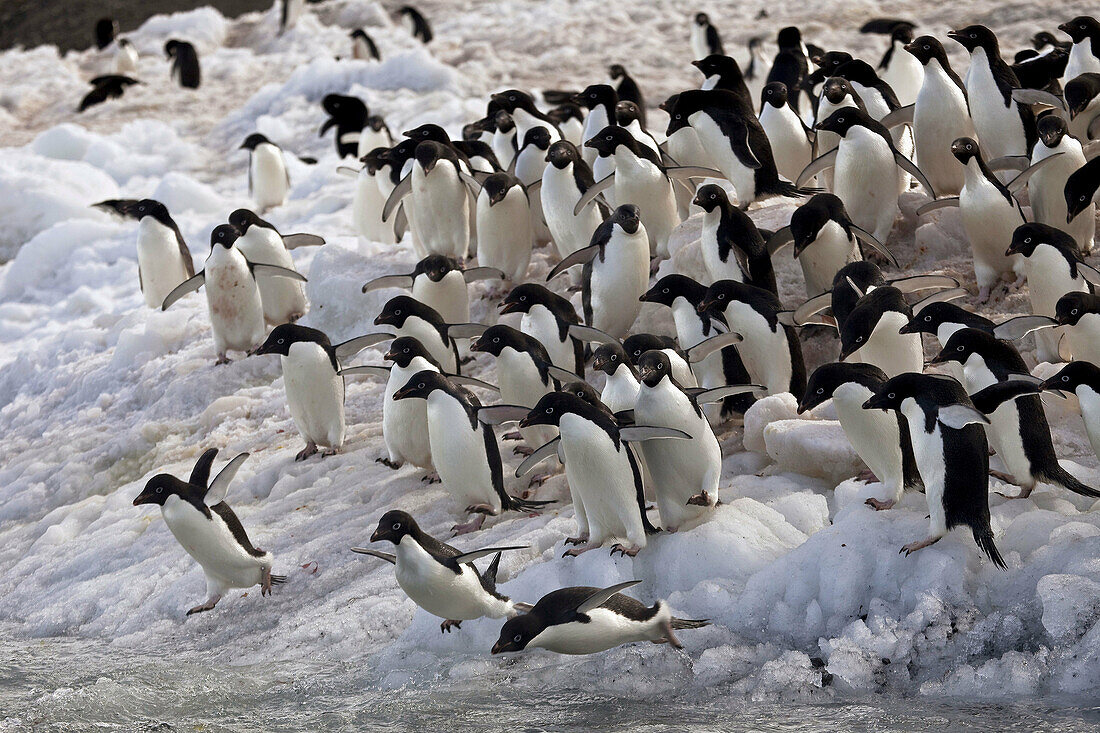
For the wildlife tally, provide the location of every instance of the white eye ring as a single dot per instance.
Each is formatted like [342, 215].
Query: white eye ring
[665, 290]
[496, 340]
[397, 525]
[549, 410]
[1027, 240]
[859, 339]
[821, 390]
[1073, 312]
[958, 348]
[1065, 379]
[420, 386]
[517, 638]
[890, 396]
[160, 490]
[397, 312]
[928, 319]
[280, 341]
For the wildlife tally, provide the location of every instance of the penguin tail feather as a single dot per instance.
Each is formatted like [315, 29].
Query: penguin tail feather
[526, 505]
[1064, 478]
[984, 538]
[688, 623]
[278, 579]
[786, 188]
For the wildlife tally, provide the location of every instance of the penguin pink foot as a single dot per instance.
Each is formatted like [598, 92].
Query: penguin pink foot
[203, 607]
[983, 294]
[222, 359]
[523, 450]
[514, 435]
[914, 546]
[536, 481]
[879, 506]
[700, 499]
[472, 526]
[446, 626]
[625, 551]
[309, 450]
[265, 583]
[1005, 477]
[867, 476]
[671, 637]
[329, 452]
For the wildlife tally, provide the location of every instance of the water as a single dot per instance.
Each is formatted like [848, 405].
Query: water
[77, 685]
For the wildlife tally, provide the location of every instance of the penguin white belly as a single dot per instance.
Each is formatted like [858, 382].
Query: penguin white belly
[989, 220]
[976, 375]
[825, 256]
[1084, 338]
[541, 324]
[681, 370]
[1090, 413]
[790, 146]
[1081, 60]
[904, 74]
[1004, 433]
[233, 300]
[594, 121]
[944, 332]
[520, 384]
[684, 147]
[559, 194]
[442, 210]
[269, 177]
[504, 234]
[1046, 190]
[427, 335]
[765, 353]
[874, 435]
[448, 297]
[458, 452]
[1048, 279]
[618, 281]
[225, 563]
[314, 394]
[602, 167]
[605, 630]
[689, 332]
[126, 61]
[892, 352]
[719, 154]
[367, 209]
[438, 590]
[1000, 129]
[159, 263]
[283, 299]
[939, 118]
[405, 422]
[620, 390]
[712, 258]
[639, 182]
[866, 180]
[680, 468]
[928, 452]
[601, 475]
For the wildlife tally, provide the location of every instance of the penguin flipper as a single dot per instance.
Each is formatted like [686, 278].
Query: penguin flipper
[692, 171]
[580, 257]
[465, 330]
[382, 372]
[944, 203]
[805, 312]
[778, 240]
[542, 453]
[1089, 273]
[259, 270]
[639, 433]
[706, 347]
[472, 186]
[898, 117]
[1017, 184]
[389, 281]
[818, 165]
[348, 171]
[400, 191]
[1094, 127]
[588, 333]
[294, 241]
[911, 168]
[123, 208]
[869, 239]
[1016, 328]
[594, 190]
[388, 557]
[465, 381]
[477, 554]
[923, 282]
[717, 394]
[958, 416]
[603, 595]
[1038, 96]
[189, 285]
[941, 296]
[1009, 162]
[400, 223]
[500, 414]
[200, 474]
[219, 487]
[481, 273]
[351, 347]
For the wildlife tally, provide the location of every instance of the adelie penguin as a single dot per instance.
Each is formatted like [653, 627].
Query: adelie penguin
[1081, 378]
[110, 86]
[791, 63]
[872, 333]
[439, 578]
[628, 90]
[1047, 187]
[418, 25]
[164, 262]
[599, 101]
[565, 180]
[185, 63]
[440, 283]
[569, 117]
[504, 226]
[548, 317]
[1079, 314]
[704, 37]
[284, 300]
[525, 114]
[881, 439]
[363, 46]
[584, 620]
[349, 116]
[732, 247]
[1084, 54]
[464, 451]
[126, 58]
[898, 67]
[409, 317]
[616, 271]
[951, 452]
[1082, 103]
[232, 294]
[791, 140]
[1081, 188]
[985, 359]
[313, 383]
[268, 178]
[439, 197]
[200, 520]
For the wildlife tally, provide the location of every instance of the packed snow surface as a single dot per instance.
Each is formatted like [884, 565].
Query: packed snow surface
[809, 596]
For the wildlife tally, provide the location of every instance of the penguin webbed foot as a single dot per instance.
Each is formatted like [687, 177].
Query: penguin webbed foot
[465, 360]
[879, 505]
[536, 481]
[625, 551]
[912, 547]
[522, 450]
[207, 605]
[1025, 491]
[329, 452]
[578, 551]
[700, 499]
[222, 359]
[1006, 478]
[265, 583]
[431, 478]
[578, 540]
[983, 294]
[513, 435]
[446, 626]
[472, 526]
[388, 463]
[867, 476]
[309, 450]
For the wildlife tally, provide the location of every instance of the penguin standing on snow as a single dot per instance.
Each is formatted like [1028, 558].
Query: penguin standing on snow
[704, 37]
[565, 180]
[409, 317]
[1046, 187]
[200, 520]
[126, 58]
[439, 578]
[583, 620]
[872, 333]
[313, 383]
[464, 451]
[418, 24]
[791, 141]
[438, 197]
[1079, 314]
[880, 439]
[1081, 378]
[164, 261]
[504, 226]
[548, 317]
[349, 116]
[284, 300]
[1084, 54]
[268, 178]
[791, 63]
[363, 46]
[440, 283]
[185, 63]
[732, 246]
[951, 451]
[232, 294]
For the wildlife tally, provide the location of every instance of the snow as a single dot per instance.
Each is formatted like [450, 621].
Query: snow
[808, 594]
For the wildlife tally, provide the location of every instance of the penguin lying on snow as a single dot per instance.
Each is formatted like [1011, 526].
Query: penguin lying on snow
[200, 520]
[583, 620]
[439, 578]
[109, 86]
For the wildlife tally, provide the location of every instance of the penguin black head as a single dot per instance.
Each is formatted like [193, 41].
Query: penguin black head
[523, 297]
[153, 208]
[807, 220]
[670, 287]
[378, 124]
[561, 154]
[653, 366]
[640, 343]
[284, 335]
[566, 111]
[1080, 91]
[344, 107]
[710, 197]
[1081, 27]
[549, 409]
[857, 328]
[497, 186]
[253, 140]
[1030, 235]
[244, 218]
[435, 266]
[827, 378]
[159, 488]
[789, 37]
[609, 357]
[497, 338]
[518, 632]
[627, 112]
[404, 349]
[775, 94]
[503, 122]
[607, 141]
[1051, 129]
[1042, 39]
[973, 37]
[105, 30]
[929, 318]
[1071, 307]
[702, 19]
[429, 153]
[597, 95]
[963, 344]
[926, 48]
[838, 89]
[428, 132]
[865, 275]
[375, 159]
[422, 384]
[723, 292]
[225, 235]
[394, 525]
[895, 390]
[719, 65]
[401, 307]
[616, 71]
[1072, 376]
[1081, 188]
[513, 99]
[627, 217]
[859, 72]
[830, 61]
[843, 120]
[538, 137]
[964, 149]
[903, 33]
[585, 392]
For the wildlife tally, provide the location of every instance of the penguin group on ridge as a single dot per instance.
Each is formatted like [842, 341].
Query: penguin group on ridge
[577, 180]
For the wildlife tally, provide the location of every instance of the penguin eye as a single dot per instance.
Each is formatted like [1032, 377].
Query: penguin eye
[1082, 198]
[840, 119]
[496, 340]
[397, 312]
[397, 525]
[721, 296]
[665, 290]
[890, 396]
[1065, 379]
[160, 490]
[678, 115]
[280, 341]
[859, 339]
[660, 366]
[713, 196]
[614, 357]
[522, 298]
[1027, 240]
[1073, 312]
[420, 386]
[969, 146]
[927, 47]
[517, 638]
[928, 319]
[973, 35]
[549, 410]
[958, 348]
[821, 390]
[511, 98]
[404, 351]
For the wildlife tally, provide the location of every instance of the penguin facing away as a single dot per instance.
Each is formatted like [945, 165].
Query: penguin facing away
[185, 63]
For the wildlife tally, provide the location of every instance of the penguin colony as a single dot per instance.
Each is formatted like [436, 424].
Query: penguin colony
[1011, 145]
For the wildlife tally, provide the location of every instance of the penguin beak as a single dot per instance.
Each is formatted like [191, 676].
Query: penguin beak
[909, 327]
[697, 63]
[145, 497]
[874, 403]
[508, 307]
[1012, 250]
[910, 47]
[848, 351]
[938, 358]
[380, 320]
[599, 363]
[402, 394]
[477, 346]
[377, 536]
[499, 647]
[526, 421]
[953, 35]
[1064, 27]
[390, 355]
[801, 408]
[704, 305]
[1061, 319]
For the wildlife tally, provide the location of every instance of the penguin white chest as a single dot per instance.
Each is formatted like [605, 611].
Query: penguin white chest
[940, 117]
[866, 180]
[1004, 433]
[438, 589]
[405, 422]
[765, 353]
[442, 210]
[433, 341]
[159, 263]
[873, 434]
[504, 233]
[825, 256]
[717, 268]
[928, 450]
[448, 297]
[233, 300]
[212, 545]
[604, 630]
[541, 324]
[1090, 412]
[790, 145]
[270, 183]
[989, 219]
[620, 390]
[283, 298]
[892, 352]
[618, 280]
[1000, 129]
[314, 394]
[458, 452]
